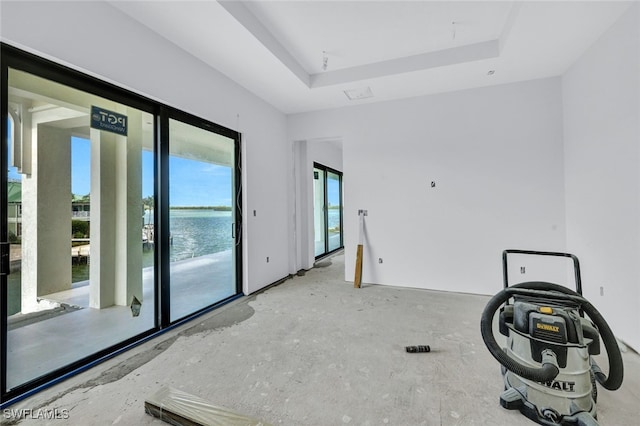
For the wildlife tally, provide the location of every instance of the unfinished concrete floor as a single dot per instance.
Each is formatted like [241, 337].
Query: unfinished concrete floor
[315, 351]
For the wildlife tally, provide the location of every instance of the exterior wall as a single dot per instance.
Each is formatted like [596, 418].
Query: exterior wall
[601, 95]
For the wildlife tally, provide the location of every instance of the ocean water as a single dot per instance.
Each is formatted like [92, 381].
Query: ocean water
[198, 232]
[194, 232]
[333, 216]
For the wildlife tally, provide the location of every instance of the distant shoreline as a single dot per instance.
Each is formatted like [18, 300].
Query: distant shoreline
[216, 208]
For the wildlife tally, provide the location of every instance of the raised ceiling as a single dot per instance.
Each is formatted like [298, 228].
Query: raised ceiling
[303, 55]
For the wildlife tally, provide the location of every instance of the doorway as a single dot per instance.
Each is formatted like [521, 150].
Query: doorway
[327, 210]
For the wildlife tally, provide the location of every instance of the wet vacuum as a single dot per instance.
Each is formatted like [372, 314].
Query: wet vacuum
[552, 335]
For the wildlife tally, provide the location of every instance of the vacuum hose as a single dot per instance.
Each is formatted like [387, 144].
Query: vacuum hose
[549, 370]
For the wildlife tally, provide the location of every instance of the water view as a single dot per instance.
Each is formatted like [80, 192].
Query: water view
[333, 216]
[194, 232]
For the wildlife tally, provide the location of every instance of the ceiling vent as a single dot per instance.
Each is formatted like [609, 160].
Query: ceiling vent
[357, 94]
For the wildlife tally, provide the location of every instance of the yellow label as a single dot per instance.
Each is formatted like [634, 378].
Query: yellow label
[548, 327]
[546, 310]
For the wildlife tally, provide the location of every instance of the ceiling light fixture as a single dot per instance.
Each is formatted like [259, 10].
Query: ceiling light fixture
[357, 94]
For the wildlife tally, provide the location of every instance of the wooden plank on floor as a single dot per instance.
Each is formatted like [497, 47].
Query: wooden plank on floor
[358, 275]
[182, 409]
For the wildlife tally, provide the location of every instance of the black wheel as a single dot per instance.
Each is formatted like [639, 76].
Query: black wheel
[594, 387]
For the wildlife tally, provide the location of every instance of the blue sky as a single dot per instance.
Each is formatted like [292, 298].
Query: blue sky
[13, 172]
[333, 192]
[196, 183]
[80, 166]
[191, 183]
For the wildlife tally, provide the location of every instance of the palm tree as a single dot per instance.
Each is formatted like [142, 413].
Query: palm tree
[148, 203]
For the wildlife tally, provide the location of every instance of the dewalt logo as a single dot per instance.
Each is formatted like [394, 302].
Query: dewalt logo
[560, 385]
[548, 327]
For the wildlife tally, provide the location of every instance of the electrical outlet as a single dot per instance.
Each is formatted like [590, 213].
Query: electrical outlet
[379, 260]
[523, 270]
[433, 183]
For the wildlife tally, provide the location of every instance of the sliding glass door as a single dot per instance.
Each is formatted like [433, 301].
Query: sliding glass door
[327, 210]
[79, 166]
[334, 211]
[201, 218]
[319, 211]
[119, 217]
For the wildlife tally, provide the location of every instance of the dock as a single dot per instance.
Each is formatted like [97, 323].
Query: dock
[80, 254]
[148, 237]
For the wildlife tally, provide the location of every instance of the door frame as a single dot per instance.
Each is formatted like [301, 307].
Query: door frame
[14, 58]
[328, 170]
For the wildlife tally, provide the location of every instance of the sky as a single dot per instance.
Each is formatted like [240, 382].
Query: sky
[13, 172]
[333, 192]
[80, 166]
[196, 183]
[191, 183]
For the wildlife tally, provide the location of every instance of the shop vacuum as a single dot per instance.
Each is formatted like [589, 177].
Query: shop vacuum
[552, 336]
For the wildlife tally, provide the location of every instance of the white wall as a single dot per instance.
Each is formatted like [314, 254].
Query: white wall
[601, 96]
[496, 157]
[495, 154]
[99, 39]
[327, 153]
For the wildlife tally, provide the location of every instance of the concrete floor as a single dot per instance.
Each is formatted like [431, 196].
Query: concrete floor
[40, 346]
[315, 351]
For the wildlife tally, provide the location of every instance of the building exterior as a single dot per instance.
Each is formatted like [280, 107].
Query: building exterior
[80, 207]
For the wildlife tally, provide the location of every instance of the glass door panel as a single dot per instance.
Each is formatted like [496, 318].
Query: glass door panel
[80, 280]
[327, 210]
[334, 211]
[201, 218]
[319, 220]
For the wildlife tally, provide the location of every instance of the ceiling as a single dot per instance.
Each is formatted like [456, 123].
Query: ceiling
[303, 55]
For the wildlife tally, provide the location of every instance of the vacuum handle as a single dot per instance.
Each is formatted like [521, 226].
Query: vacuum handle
[576, 264]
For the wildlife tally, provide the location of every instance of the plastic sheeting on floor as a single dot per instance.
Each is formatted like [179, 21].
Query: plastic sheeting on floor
[181, 409]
